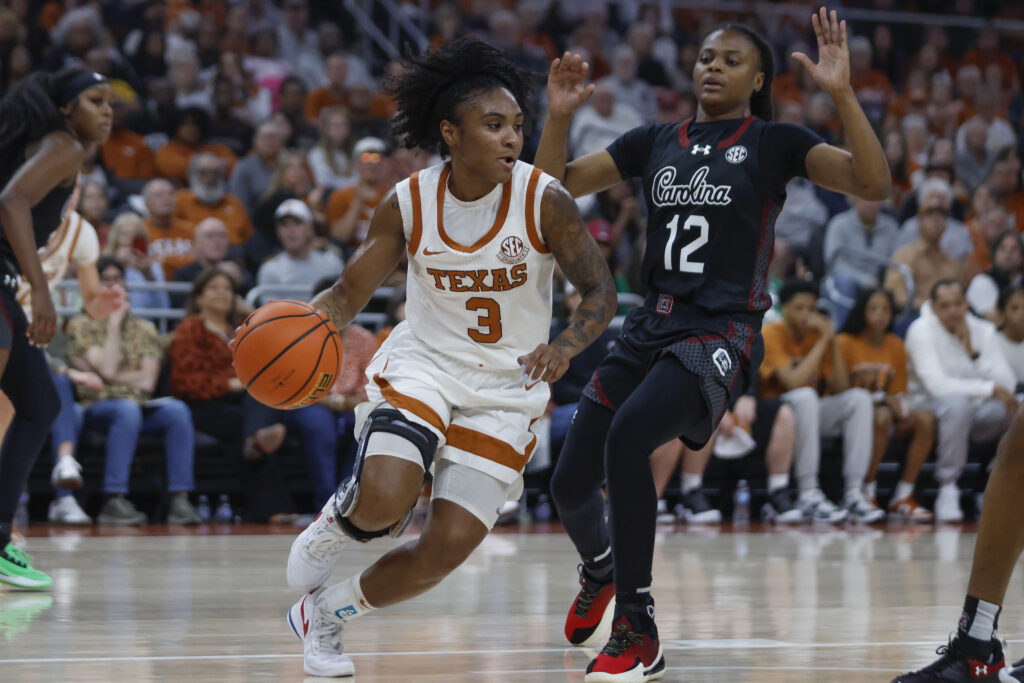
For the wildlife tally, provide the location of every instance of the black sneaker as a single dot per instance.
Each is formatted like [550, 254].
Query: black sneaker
[956, 666]
[695, 508]
[781, 508]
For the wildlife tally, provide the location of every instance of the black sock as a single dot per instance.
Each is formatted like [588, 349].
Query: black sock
[599, 569]
[5, 534]
[974, 646]
[639, 609]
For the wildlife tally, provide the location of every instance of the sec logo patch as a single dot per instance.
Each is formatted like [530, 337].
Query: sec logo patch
[513, 251]
[736, 154]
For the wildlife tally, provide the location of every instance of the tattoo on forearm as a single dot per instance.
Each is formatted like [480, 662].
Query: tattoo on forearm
[332, 304]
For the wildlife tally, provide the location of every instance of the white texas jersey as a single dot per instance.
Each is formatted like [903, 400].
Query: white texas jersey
[479, 279]
[74, 242]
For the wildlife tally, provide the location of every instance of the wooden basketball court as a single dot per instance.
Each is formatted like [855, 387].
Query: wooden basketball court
[170, 604]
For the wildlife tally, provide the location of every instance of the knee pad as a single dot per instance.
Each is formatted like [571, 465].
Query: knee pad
[387, 432]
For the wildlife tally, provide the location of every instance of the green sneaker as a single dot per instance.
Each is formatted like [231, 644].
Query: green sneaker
[16, 569]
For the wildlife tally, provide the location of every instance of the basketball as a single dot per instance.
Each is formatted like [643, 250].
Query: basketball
[287, 354]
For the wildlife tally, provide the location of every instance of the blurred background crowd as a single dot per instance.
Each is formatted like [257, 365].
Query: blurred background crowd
[251, 144]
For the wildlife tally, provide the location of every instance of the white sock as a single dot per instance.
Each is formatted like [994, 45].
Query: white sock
[345, 600]
[777, 481]
[950, 488]
[903, 490]
[984, 625]
[852, 493]
[869, 490]
[692, 481]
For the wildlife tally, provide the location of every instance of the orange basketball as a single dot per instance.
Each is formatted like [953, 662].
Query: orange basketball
[287, 354]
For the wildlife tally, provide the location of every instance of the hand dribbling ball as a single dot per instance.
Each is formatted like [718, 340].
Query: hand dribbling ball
[287, 354]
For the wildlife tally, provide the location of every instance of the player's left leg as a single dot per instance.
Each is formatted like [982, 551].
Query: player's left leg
[975, 654]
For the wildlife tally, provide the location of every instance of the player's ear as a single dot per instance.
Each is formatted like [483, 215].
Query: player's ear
[758, 81]
[449, 133]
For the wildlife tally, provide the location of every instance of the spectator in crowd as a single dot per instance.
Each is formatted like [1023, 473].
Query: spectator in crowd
[1011, 335]
[628, 87]
[999, 133]
[189, 131]
[157, 116]
[125, 352]
[148, 58]
[207, 196]
[227, 127]
[394, 313]
[170, 237]
[985, 225]
[877, 362]
[1007, 257]
[292, 179]
[251, 175]
[211, 249]
[899, 165]
[859, 243]
[939, 165]
[294, 37]
[506, 34]
[956, 240]
[924, 262]
[988, 53]
[125, 152]
[329, 159]
[365, 122]
[78, 31]
[299, 263]
[958, 373]
[311, 67]
[649, 68]
[1005, 182]
[799, 226]
[942, 109]
[872, 88]
[94, 205]
[973, 158]
[803, 366]
[203, 375]
[189, 90]
[914, 129]
[292, 105]
[968, 81]
[128, 244]
[771, 423]
[601, 120]
[349, 209]
[334, 93]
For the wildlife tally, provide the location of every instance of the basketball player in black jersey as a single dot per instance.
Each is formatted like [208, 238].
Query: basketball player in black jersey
[713, 186]
[47, 124]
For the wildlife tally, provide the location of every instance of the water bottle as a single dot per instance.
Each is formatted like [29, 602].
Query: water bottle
[224, 513]
[203, 508]
[741, 503]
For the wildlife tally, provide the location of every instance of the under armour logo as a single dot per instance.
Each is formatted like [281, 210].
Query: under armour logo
[981, 670]
[703, 149]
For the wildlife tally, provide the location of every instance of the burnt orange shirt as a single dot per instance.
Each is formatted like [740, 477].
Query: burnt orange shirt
[230, 210]
[341, 200]
[127, 155]
[171, 247]
[1014, 205]
[172, 160]
[318, 99]
[875, 368]
[782, 351]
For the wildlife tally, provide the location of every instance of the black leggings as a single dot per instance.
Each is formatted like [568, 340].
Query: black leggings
[667, 403]
[26, 381]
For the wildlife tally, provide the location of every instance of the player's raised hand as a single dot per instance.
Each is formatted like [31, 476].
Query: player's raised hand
[832, 72]
[566, 92]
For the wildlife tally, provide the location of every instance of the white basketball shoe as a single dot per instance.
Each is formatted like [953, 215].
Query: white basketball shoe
[315, 551]
[320, 633]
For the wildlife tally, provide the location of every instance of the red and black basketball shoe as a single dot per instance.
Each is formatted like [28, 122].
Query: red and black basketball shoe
[590, 617]
[956, 666]
[628, 657]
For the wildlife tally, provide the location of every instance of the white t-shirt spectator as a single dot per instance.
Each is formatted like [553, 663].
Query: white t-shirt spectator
[591, 132]
[285, 270]
[983, 294]
[1014, 354]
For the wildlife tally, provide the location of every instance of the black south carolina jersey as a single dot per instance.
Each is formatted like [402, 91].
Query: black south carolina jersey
[713, 191]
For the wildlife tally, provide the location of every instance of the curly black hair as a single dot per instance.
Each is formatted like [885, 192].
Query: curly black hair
[435, 82]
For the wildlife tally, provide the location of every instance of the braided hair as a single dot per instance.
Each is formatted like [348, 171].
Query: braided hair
[30, 111]
[436, 82]
[760, 100]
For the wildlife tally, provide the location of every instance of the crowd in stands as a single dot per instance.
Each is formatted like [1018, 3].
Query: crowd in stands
[251, 144]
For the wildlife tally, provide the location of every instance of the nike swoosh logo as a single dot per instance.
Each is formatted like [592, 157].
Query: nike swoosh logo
[305, 621]
[427, 252]
[531, 386]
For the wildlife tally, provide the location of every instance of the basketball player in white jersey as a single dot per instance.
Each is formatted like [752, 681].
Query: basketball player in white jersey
[454, 389]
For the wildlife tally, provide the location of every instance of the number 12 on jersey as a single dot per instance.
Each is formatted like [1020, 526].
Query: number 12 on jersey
[685, 264]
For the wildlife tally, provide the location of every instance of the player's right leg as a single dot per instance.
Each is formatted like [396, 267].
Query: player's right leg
[377, 500]
[975, 654]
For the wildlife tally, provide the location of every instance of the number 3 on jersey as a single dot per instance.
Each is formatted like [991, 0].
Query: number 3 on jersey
[489, 319]
[685, 264]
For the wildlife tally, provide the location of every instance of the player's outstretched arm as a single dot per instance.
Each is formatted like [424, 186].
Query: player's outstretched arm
[863, 170]
[369, 266]
[582, 262]
[566, 93]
